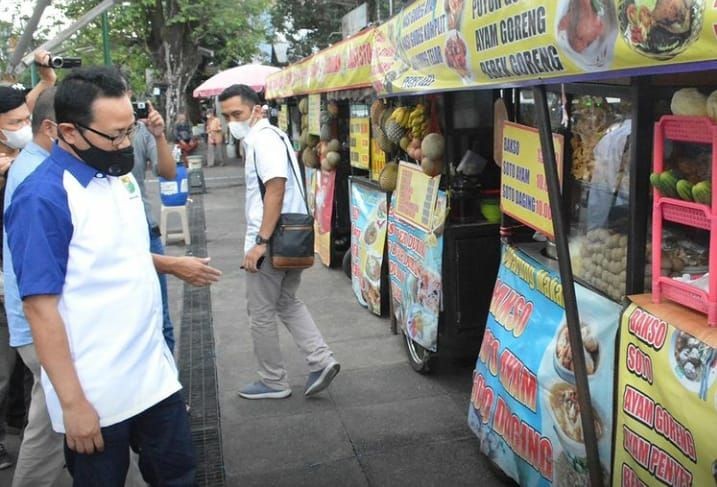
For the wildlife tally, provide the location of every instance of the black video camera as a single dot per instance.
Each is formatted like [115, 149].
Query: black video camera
[141, 109]
[60, 62]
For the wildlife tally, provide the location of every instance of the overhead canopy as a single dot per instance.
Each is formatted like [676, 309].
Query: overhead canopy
[343, 66]
[460, 44]
[253, 75]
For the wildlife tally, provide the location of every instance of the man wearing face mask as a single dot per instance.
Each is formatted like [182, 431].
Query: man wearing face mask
[271, 293]
[78, 237]
[40, 460]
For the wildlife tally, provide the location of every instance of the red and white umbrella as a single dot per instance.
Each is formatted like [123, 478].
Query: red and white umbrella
[253, 75]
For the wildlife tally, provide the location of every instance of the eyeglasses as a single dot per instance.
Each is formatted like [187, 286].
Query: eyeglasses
[115, 140]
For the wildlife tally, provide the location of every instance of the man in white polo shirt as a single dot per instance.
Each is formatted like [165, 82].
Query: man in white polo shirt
[78, 237]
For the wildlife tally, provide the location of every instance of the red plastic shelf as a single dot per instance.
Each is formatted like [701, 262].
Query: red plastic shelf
[687, 129]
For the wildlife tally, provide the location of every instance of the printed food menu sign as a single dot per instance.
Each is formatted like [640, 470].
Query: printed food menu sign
[416, 195]
[667, 402]
[360, 140]
[524, 406]
[323, 214]
[415, 258]
[448, 44]
[369, 217]
[315, 114]
[523, 190]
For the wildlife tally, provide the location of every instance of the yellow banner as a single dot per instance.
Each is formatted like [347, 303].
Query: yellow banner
[523, 190]
[360, 140]
[343, 66]
[315, 114]
[416, 196]
[284, 118]
[378, 159]
[666, 398]
[437, 45]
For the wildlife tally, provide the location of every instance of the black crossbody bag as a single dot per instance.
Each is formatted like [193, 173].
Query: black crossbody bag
[291, 246]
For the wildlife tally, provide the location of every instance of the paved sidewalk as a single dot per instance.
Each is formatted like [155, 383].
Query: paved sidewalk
[379, 424]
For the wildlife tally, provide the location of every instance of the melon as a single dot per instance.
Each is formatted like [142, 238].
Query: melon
[433, 146]
[331, 160]
[431, 167]
[388, 177]
[403, 143]
[334, 145]
[308, 157]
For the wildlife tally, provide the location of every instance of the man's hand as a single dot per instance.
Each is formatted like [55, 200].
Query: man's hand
[195, 270]
[47, 73]
[82, 428]
[5, 163]
[252, 257]
[155, 122]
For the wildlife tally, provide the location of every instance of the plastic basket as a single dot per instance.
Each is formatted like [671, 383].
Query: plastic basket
[686, 213]
[684, 294]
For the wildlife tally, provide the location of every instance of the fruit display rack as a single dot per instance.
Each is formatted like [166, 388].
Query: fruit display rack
[698, 130]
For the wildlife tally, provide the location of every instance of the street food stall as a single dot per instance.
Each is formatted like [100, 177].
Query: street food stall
[596, 101]
[319, 95]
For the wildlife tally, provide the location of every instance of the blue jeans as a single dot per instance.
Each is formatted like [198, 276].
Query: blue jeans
[162, 437]
[155, 246]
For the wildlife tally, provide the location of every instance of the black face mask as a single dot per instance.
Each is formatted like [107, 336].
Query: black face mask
[110, 162]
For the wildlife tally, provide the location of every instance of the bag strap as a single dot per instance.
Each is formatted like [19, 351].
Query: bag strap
[300, 183]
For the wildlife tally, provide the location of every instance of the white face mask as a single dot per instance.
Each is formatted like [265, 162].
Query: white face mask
[239, 130]
[18, 139]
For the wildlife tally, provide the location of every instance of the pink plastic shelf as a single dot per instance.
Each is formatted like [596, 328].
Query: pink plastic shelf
[684, 293]
[700, 130]
[687, 129]
[685, 212]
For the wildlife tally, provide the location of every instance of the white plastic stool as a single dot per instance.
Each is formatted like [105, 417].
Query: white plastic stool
[164, 215]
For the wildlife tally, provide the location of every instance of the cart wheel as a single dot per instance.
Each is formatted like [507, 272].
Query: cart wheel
[419, 357]
[346, 264]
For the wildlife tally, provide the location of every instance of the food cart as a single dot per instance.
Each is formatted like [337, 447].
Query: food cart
[319, 93]
[583, 83]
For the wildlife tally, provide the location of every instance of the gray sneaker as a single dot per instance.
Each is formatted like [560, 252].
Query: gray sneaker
[5, 460]
[259, 390]
[320, 380]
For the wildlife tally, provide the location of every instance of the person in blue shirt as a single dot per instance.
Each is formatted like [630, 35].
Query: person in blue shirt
[40, 460]
[77, 234]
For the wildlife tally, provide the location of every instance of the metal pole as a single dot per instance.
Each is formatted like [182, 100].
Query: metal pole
[106, 39]
[26, 37]
[566, 276]
[33, 74]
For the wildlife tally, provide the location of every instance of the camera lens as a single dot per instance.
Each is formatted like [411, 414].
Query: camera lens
[56, 62]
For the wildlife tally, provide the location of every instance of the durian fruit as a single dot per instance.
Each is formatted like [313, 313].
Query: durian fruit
[388, 177]
[304, 106]
[394, 131]
[384, 142]
[377, 108]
